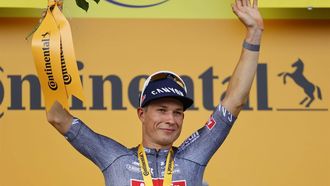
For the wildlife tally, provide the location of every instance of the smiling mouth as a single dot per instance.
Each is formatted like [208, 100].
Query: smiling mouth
[167, 130]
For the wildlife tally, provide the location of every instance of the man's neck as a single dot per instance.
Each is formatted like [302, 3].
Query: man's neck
[155, 146]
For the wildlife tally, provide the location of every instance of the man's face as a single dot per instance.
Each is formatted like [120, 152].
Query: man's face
[161, 122]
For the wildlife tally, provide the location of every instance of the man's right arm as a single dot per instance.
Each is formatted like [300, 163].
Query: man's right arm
[60, 118]
[99, 149]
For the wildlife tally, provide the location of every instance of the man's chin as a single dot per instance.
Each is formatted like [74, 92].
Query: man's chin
[167, 141]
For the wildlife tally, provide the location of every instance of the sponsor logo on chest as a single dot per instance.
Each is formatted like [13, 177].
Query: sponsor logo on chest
[158, 182]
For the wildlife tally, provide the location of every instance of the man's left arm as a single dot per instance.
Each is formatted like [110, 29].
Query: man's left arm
[201, 145]
[243, 75]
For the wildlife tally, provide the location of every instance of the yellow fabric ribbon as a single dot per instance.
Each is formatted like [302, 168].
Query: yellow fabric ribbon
[68, 60]
[144, 166]
[53, 53]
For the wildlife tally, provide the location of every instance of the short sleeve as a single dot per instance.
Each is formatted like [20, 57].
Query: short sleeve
[202, 144]
[98, 148]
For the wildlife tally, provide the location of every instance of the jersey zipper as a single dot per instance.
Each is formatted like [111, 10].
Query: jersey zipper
[156, 168]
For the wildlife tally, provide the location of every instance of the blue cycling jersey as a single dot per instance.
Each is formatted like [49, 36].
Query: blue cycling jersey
[120, 165]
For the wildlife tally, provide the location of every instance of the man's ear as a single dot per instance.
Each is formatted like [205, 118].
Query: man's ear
[140, 112]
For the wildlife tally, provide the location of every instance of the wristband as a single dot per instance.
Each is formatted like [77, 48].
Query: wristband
[251, 47]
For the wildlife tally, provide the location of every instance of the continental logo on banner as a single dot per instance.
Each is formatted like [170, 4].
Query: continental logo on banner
[173, 9]
[293, 77]
[300, 80]
[2, 93]
[137, 4]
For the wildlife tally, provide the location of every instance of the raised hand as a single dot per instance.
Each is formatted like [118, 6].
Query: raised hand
[248, 13]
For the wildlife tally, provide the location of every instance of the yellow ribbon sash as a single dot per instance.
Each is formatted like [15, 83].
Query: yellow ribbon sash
[144, 166]
[54, 57]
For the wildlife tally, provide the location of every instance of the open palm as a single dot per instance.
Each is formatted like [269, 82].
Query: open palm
[248, 13]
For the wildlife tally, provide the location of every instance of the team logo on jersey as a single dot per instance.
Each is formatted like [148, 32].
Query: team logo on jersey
[189, 141]
[211, 123]
[135, 167]
[158, 181]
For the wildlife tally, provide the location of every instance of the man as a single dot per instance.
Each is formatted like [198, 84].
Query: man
[162, 104]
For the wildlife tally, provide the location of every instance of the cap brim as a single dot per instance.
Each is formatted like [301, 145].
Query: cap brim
[186, 101]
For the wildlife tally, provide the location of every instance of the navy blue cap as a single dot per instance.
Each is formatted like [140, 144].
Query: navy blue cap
[163, 88]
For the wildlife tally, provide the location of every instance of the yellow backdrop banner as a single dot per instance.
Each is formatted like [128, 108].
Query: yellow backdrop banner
[282, 137]
[170, 9]
[23, 3]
